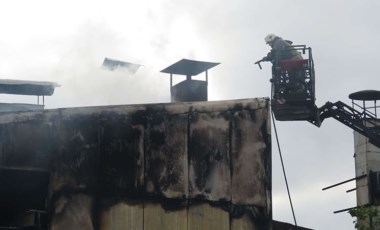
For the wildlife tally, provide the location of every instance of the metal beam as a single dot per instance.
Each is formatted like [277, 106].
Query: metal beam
[346, 181]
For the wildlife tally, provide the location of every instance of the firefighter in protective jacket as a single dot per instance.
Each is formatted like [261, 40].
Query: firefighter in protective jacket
[282, 47]
[282, 50]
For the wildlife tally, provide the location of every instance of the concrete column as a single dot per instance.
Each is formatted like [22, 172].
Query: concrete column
[367, 159]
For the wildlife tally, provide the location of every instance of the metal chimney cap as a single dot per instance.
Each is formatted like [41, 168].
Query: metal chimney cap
[365, 95]
[189, 67]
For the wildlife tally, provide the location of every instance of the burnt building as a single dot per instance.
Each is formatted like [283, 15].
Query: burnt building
[203, 165]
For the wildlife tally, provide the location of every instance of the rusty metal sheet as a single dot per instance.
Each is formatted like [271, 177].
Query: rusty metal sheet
[251, 158]
[166, 172]
[121, 146]
[209, 156]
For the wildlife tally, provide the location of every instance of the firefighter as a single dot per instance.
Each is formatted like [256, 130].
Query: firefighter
[279, 44]
[282, 50]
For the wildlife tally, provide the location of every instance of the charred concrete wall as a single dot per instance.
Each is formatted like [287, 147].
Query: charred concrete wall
[125, 166]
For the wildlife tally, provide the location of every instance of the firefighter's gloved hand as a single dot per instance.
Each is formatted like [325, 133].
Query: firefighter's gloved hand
[268, 57]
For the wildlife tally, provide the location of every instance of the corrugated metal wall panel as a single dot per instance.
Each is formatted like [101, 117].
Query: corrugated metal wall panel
[156, 217]
[166, 156]
[204, 216]
[209, 155]
[121, 154]
[250, 150]
[244, 223]
[152, 166]
[122, 216]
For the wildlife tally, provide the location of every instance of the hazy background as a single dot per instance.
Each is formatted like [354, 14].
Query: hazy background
[67, 41]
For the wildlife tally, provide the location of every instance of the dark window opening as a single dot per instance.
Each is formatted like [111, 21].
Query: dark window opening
[23, 198]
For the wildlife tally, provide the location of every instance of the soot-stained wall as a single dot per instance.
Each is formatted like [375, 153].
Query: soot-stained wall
[176, 155]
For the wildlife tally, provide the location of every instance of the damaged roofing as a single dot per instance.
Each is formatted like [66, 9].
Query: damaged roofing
[23, 87]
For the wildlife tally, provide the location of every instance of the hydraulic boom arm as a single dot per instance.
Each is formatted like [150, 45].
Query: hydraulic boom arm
[362, 122]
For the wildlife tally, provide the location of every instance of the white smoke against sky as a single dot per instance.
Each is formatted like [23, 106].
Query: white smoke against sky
[67, 41]
[140, 34]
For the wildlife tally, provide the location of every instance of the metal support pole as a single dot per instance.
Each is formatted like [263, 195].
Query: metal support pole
[375, 109]
[351, 190]
[356, 178]
[206, 78]
[344, 210]
[171, 83]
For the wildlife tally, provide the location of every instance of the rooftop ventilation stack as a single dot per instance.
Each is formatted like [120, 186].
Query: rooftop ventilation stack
[367, 155]
[189, 90]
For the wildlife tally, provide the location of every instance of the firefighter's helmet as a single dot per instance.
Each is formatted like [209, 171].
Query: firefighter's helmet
[269, 38]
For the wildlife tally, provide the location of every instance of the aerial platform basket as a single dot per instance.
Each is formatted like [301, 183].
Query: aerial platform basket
[293, 86]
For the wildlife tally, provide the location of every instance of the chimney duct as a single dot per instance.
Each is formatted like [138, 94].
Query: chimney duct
[189, 90]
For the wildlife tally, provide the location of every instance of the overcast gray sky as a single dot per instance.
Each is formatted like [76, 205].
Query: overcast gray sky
[67, 41]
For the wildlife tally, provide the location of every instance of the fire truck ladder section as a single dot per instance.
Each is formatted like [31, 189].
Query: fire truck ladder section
[365, 122]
